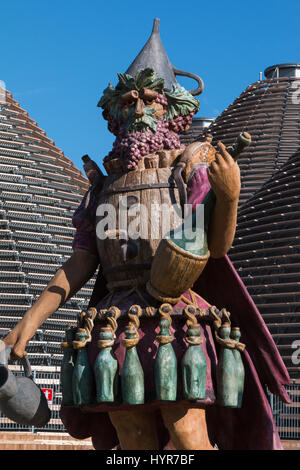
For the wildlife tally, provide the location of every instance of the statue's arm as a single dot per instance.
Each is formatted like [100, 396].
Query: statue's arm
[68, 280]
[224, 177]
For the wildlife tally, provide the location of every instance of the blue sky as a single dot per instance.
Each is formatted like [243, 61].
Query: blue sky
[58, 56]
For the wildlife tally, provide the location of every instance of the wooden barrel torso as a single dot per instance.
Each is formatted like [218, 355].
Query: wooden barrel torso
[147, 187]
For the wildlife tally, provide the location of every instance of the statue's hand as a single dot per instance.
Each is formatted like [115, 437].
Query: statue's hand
[18, 343]
[224, 176]
[21, 334]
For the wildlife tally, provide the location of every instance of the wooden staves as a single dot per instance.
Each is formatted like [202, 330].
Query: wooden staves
[127, 261]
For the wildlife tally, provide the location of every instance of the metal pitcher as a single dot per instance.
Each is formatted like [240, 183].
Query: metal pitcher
[21, 400]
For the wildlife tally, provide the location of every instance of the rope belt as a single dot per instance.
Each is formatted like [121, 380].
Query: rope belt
[203, 313]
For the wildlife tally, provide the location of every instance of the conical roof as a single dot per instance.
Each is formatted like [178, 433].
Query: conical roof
[269, 110]
[154, 56]
[266, 253]
[39, 190]
[199, 126]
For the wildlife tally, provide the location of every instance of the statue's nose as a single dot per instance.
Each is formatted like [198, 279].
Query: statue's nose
[139, 108]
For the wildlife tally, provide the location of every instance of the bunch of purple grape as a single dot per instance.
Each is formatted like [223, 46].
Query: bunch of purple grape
[179, 124]
[131, 147]
[161, 99]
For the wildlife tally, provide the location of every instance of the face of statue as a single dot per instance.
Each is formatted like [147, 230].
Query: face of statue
[134, 102]
[141, 110]
[144, 117]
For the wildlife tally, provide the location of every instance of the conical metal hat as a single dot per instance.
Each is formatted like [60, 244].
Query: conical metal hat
[154, 56]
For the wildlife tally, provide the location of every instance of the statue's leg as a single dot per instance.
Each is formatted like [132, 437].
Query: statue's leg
[136, 430]
[187, 427]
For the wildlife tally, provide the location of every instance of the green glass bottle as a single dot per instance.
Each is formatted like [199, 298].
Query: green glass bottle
[83, 379]
[67, 367]
[132, 375]
[194, 366]
[165, 366]
[240, 370]
[227, 386]
[106, 369]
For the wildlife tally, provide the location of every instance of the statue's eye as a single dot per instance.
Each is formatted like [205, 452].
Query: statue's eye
[128, 104]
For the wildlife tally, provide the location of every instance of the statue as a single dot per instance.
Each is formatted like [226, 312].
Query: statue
[156, 361]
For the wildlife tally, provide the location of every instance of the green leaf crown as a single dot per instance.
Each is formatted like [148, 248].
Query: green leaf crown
[180, 101]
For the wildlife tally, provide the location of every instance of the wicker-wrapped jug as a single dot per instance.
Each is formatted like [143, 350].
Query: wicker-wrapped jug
[178, 262]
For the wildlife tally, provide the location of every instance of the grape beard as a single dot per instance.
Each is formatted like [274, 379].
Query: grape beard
[131, 147]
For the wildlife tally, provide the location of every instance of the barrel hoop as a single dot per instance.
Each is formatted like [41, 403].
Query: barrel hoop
[182, 187]
[127, 267]
[138, 187]
[129, 283]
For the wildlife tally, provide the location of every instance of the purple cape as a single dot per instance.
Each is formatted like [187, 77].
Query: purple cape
[251, 427]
